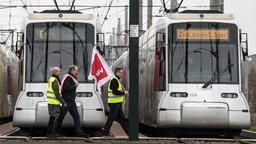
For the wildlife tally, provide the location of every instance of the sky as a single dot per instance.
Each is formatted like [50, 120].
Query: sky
[11, 17]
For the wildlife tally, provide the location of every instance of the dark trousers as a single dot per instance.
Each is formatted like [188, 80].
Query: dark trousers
[52, 124]
[116, 114]
[72, 109]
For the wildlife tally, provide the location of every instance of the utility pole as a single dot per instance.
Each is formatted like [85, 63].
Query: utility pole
[126, 41]
[126, 19]
[113, 37]
[149, 20]
[134, 69]
[118, 33]
[140, 15]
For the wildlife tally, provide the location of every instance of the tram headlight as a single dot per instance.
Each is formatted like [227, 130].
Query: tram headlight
[179, 94]
[229, 95]
[84, 94]
[35, 94]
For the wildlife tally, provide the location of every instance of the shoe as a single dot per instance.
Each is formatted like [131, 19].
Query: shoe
[84, 135]
[108, 135]
[50, 136]
[59, 134]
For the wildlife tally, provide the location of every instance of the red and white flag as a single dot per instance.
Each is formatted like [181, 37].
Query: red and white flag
[100, 71]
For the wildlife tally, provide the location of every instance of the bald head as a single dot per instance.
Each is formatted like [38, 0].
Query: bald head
[56, 71]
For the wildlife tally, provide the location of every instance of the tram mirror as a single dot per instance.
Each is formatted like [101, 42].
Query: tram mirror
[19, 43]
[160, 37]
[244, 44]
[100, 37]
[17, 52]
[100, 43]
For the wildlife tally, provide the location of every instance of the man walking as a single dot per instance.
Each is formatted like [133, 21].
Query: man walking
[69, 85]
[54, 99]
[116, 95]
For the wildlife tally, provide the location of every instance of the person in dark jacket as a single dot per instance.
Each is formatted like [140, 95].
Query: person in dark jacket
[54, 100]
[69, 85]
[116, 93]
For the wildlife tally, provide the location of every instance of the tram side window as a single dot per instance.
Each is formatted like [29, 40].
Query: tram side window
[162, 78]
[160, 70]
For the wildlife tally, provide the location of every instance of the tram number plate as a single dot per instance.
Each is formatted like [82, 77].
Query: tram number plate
[193, 94]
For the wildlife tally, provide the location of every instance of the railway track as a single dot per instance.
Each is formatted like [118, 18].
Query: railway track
[10, 134]
[119, 139]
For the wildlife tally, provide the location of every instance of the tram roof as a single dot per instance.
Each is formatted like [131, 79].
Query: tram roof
[60, 14]
[203, 15]
[60, 11]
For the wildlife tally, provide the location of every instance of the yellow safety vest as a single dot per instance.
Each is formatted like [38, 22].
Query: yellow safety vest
[112, 98]
[51, 99]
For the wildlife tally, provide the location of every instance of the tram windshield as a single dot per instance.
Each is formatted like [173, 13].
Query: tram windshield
[203, 52]
[50, 44]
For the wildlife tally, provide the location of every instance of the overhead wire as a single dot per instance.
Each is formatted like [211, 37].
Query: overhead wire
[56, 4]
[107, 13]
[24, 6]
[48, 5]
[103, 11]
[97, 9]
[151, 18]
[73, 2]
[117, 12]
[7, 1]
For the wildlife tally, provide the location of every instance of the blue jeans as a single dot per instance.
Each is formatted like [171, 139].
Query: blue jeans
[71, 107]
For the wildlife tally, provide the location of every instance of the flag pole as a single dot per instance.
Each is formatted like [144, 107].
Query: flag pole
[123, 88]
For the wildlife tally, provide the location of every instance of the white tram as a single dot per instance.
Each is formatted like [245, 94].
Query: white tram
[57, 38]
[8, 82]
[189, 73]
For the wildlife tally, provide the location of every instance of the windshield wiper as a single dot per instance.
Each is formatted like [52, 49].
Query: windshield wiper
[84, 46]
[216, 76]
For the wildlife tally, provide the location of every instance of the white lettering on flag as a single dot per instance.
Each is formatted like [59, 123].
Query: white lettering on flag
[99, 71]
